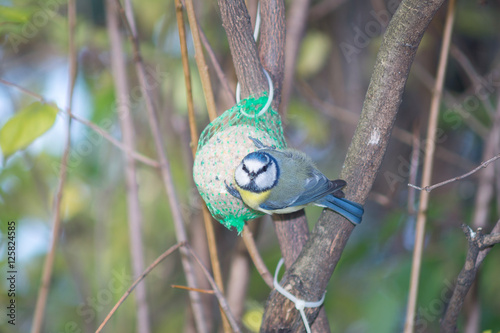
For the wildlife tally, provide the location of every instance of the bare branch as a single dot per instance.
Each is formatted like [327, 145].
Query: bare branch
[49, 260]
[256, 258]
[414, 168]
[236, 22]
[200, 61]
[323, 8]
[134, 213]
[432, 187]
[166, 174]
[308, 277]
[451, 101]
[198, 290]
[220, 297]
[398, 133]
[218, 70]
[136, 282]
[207, 219]
[295, 27]
[427, 171]
[477, 81]
[139, 157]
[477, 242]
[482, 254]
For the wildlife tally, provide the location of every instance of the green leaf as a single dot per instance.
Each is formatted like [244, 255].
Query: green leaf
[314, 54]
[15, 14]
[27, 125]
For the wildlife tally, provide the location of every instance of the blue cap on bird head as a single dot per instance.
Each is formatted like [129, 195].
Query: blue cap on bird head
[257, 172]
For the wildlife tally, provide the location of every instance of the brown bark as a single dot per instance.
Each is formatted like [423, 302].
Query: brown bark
[310, 274]
[236, 22]
[479, 246]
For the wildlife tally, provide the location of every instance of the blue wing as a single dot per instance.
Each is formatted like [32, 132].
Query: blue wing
[316, 187]
[323, 192]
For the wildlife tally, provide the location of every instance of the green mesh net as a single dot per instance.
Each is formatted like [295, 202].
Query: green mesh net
[222, 146]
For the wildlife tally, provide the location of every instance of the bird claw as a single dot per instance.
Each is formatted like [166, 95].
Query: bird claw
[260, 145]
[234, 192]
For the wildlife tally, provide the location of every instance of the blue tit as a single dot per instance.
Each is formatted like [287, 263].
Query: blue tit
[284, 181]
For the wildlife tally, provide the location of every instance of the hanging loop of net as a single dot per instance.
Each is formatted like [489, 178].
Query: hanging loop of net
[269, 99]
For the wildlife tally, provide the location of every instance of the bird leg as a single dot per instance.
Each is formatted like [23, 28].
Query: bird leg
[234, 192]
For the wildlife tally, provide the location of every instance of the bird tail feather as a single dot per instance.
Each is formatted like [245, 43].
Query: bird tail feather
[351, 210]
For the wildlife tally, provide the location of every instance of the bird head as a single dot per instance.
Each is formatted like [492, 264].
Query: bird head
[257, 172]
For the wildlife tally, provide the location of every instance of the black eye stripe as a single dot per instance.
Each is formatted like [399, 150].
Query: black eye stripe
[263, 169]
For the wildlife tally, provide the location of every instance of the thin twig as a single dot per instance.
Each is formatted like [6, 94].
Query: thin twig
[218, 70]
[429, 188]
[216, 66]
[187, 76]
[415, 158]
[349, 117]
[255, 255]
[489, 240]
[427, 172]
[136, 282]
[166, 173]
[222, 301]
[451, 101]
[138, 156]
[198, 290]
[49, 260]
[200, 61]
[482, 254]
[134, 213]
[295, 27]
[212, 244]
[485, 190]
[24, 90]
[239, 276]
[478, 82]
[323, 8]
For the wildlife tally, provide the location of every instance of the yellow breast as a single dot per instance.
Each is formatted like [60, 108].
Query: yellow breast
[253, 200]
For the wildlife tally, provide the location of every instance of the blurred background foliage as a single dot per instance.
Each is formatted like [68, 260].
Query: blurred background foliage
[368, 291]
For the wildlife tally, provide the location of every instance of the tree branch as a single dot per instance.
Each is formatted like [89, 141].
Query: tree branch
[483, 165]
[477, 243]
[48, 266]
[295, 28]
[311, 272]
[166, 174]
[209, 99]
[236, 22]
[134, 213]
[136, 282]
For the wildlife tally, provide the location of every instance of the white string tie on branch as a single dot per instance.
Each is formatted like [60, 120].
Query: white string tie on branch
[299, 303]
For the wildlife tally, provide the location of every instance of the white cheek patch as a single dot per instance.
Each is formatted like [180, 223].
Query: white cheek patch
[266, 180]
[241, 177]
[254, 165]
